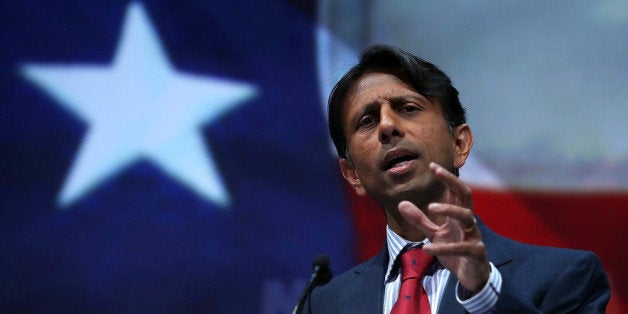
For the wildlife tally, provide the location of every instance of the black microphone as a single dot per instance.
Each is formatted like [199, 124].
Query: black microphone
[321, 275]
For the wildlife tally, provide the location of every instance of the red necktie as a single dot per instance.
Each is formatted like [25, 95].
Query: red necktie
[412, 297]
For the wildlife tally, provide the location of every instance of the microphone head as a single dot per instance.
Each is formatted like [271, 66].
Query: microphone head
[324, 272]
[321, 260]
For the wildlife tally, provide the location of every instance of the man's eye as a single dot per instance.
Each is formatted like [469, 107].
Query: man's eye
[409, 108]
[366, 121]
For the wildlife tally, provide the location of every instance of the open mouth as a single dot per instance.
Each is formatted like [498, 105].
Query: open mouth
[399, 161]
[398, 158]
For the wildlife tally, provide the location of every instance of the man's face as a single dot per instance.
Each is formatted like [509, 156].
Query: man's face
[393, 133]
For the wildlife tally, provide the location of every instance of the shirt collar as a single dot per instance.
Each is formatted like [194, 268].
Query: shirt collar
[395, 244]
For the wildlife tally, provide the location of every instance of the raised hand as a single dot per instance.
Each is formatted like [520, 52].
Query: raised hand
[458, 241]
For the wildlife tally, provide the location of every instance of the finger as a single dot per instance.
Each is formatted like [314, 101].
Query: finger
[453, 183]
[463, 215]
[417, 218]
[476, 249]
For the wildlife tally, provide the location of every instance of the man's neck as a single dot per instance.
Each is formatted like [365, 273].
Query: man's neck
[402, 227]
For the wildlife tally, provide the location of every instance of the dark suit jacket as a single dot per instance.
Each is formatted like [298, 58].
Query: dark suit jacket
[536, 279]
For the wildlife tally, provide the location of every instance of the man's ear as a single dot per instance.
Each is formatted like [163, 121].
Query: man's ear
[462, 141]
[349, 173]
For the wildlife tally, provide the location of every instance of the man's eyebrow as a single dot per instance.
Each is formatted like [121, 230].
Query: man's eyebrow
[420, 99]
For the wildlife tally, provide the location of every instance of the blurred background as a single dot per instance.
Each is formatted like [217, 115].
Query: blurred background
[173, 157]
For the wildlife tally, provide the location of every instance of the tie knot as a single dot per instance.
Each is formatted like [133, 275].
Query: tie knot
[414, 263]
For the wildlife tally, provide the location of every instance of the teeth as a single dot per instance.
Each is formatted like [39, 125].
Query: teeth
[400, 161]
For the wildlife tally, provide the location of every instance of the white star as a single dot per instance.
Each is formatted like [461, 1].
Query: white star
[140, 107]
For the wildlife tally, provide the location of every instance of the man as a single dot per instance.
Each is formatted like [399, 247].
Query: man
[401, 134]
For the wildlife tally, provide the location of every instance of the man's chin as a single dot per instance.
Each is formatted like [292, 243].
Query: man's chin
[419, 194]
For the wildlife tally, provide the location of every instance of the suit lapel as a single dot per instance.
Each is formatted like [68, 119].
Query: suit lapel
[365, 292]
[448, 303]
[498, 252]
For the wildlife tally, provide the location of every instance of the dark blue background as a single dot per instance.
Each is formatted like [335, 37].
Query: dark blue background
[140, 241]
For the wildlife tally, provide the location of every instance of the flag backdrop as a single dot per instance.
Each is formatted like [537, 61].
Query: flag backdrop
[163, 157]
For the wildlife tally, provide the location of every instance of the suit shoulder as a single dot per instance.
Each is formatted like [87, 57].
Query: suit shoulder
[552, 254]
[345, 278]
[500, 244]
[359, 284]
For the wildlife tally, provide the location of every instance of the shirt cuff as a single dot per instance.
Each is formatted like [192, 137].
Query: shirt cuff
[485, 300]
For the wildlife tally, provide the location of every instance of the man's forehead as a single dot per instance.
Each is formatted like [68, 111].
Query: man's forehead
[375, 85]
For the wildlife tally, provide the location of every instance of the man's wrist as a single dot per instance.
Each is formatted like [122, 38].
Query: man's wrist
[484, 300]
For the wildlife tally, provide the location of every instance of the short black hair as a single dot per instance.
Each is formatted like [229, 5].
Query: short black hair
[427, 79]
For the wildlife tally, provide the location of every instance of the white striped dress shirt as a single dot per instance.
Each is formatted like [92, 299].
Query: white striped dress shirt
[434, 285]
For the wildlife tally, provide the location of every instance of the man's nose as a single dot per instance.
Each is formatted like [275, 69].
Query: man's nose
[389, 126]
